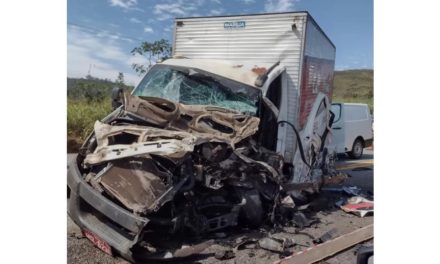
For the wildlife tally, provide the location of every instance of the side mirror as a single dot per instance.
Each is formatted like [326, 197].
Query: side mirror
[117, 97]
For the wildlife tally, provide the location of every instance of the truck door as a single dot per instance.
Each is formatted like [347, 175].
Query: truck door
[338, 129]
[312, 141]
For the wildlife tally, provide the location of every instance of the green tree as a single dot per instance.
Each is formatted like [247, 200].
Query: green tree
[120, 80]
[92, 92]
[152, 51]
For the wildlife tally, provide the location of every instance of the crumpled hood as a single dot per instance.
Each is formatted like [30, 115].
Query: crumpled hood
[175, 129]
[220, 124]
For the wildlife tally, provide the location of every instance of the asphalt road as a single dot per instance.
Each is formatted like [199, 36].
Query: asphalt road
[81, 250]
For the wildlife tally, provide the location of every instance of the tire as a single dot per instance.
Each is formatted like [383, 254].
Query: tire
[357, 150]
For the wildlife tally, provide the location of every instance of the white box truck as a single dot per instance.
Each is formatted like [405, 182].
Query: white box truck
[227, 131]
[306, 59]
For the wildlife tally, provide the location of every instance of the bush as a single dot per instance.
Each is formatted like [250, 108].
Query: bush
[81, 115]
[88, 101]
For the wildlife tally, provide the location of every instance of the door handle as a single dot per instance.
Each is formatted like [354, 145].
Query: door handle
[336, 128]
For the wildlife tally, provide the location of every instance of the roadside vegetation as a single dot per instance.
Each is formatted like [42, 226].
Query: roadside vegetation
[88, 100]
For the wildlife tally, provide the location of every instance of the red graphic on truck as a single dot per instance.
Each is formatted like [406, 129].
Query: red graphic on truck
[317, 76]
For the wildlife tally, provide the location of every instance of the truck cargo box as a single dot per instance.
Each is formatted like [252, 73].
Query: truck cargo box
[293, 38]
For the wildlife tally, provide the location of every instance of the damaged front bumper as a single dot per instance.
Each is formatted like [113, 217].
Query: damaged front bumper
[92, 211]
[118, 227]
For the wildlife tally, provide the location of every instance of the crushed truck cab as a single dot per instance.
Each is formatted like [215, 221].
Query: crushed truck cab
[217, 137]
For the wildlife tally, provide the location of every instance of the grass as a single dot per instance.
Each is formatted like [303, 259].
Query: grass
[81, 115]
[354, 86]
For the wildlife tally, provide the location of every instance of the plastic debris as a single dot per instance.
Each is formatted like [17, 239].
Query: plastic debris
[352, 190]
[279, 245]
[359, 206]
[288, 202]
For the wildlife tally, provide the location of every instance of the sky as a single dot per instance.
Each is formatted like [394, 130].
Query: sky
[101, 33]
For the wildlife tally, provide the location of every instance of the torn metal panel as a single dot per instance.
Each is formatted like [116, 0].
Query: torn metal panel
[137, 183]
[148, 140]
[266, 166]
[105, 132]
[170, 147]
[317, 123]
[156, 111]
[206, 122]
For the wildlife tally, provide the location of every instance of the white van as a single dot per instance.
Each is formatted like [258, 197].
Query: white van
[352, 128]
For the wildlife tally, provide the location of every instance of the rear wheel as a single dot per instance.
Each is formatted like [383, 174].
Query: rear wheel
[357, 149]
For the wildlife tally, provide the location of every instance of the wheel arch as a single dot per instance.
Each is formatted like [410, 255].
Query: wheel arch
[362, 140]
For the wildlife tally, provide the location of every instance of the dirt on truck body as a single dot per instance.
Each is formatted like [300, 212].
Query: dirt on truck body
[188, 155]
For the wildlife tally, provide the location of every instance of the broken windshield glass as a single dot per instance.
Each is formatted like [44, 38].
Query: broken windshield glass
[195, 87]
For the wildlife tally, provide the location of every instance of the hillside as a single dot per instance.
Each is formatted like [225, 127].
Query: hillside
[354, 86]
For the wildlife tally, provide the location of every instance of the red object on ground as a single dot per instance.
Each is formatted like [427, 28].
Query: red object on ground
[359, 206]
[98, 242]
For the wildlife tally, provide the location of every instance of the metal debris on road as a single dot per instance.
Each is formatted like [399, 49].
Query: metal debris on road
[279, 245]
[300, 220]
[224, 254]
[326, 236]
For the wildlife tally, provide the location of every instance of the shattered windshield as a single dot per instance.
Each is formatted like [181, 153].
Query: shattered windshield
[196, 87]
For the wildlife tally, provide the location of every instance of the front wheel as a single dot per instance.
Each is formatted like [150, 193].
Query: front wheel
[357, 149]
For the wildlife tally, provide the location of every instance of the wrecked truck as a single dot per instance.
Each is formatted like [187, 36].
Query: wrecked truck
[222, 135]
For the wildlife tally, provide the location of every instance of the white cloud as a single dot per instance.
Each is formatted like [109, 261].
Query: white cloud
[126, 4]
[177, 8]
[166, 11]
[279, 5]
[249, 1]
[148, 29]
[216, 12]
[85, 51]
[216, 1]
[135, 20]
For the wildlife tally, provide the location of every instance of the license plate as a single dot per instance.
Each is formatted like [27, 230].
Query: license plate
[98, 242]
